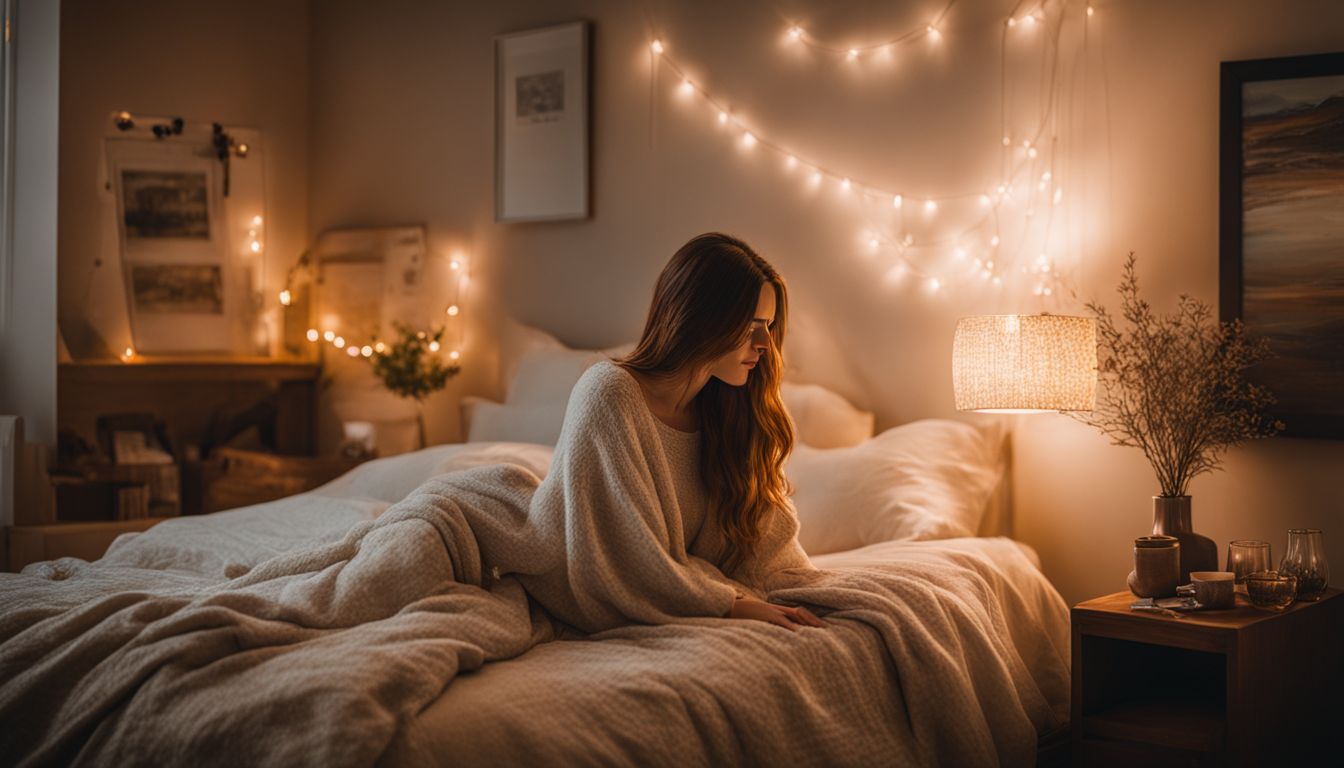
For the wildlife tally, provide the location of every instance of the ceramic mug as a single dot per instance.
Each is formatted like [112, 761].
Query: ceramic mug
[1211, 589]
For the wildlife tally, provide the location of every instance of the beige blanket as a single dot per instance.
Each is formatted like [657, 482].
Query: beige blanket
[166, 653]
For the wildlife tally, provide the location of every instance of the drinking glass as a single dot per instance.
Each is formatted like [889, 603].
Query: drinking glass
[1245, 557]
[1306, 560]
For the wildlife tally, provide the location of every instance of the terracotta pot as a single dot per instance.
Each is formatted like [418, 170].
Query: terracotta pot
[1171, 517]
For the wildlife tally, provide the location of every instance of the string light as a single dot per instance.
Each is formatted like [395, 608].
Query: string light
[286, 298]
[329, 336]
[367, 350]
[352, 351]
[454, 355]
[657, 47]
[313, 335]
[453, 310]
[990, 208]
[128, 353]
[338, 342]
[433, 346]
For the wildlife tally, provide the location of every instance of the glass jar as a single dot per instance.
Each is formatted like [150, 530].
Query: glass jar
[1305, 559]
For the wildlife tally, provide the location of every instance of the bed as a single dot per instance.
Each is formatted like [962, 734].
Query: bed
[982, 669]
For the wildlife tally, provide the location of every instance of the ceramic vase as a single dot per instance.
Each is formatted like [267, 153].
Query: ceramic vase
[1171, 517]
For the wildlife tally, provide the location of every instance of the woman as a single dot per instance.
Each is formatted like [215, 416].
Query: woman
[667, 487]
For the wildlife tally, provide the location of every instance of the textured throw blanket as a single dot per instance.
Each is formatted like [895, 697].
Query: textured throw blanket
[167, 652]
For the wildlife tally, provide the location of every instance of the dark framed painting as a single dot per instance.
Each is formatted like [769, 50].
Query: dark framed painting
[1281, 229]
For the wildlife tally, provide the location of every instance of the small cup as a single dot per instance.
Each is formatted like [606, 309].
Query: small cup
[1212, 589]
[1246, 557]
[1271, 589]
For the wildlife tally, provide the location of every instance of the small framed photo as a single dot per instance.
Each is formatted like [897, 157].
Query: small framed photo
[541, 124]
[1281, 233]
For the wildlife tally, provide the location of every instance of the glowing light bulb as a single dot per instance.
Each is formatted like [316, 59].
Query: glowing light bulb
[853, 54]
[454, 355]
[687, 87]
[897, 201]
[352, 351]
[1028, 20]
[934, 284]
[748, 140]
[433, 346]
[989, 264]
[285, 298]
[1012, 22]
[338, 342]
[329, 336]
[723, 117]
[455, 265]
[453, 310]
[795, 33]
[816, 178]
[1090, 10]
[255, 245]
[984, 201]
[365, 350]
[128, 353]
[1007, 141]
[873, 244]
[1031, 152]
[930, 206]
[379, 346]
[256, 221]
[994, 241]
[313, 335]
[933, 32]
[845, 184]
[656, 46]
[790, 162]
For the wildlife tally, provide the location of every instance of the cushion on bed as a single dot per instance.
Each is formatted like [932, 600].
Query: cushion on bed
[545, 370]
[823, 418]
[929, 479]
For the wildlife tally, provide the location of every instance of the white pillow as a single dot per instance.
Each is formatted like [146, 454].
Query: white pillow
[491, 422]
[823, 418]
[929, 479]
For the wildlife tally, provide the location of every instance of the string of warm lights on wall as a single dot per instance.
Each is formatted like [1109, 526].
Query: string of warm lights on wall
[375, 346]
[1028, 175]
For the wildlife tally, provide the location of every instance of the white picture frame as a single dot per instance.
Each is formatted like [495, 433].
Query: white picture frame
[542, 113]
[179, 291]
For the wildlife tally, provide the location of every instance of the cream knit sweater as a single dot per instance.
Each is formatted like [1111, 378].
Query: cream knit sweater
[617, 532]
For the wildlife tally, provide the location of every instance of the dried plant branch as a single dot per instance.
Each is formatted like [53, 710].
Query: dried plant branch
[1174, 386]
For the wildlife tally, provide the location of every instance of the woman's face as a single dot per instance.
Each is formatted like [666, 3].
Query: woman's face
[734, 367]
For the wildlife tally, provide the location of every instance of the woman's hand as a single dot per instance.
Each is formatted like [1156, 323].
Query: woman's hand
[791, 617]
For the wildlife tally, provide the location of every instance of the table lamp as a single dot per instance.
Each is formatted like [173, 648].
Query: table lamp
[1025, 363]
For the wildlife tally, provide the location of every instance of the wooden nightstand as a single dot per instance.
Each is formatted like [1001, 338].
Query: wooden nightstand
[24, 544]
[1239, 686]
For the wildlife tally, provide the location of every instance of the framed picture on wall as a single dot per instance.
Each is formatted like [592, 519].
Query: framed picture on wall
[541, 124]
[173, 250]
[1281, 229]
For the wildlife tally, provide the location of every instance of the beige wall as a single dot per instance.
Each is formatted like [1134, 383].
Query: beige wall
[402, 131]
[240, 63]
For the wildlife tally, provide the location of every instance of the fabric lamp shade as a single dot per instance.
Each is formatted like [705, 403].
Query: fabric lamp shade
[1025, 363]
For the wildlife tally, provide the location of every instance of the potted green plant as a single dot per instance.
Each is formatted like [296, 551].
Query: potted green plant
[411, 367]
[1174, 386]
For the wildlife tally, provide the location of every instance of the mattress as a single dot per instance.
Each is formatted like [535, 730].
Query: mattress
[606, 689]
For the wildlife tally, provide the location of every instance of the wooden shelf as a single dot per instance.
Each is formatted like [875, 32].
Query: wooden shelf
[184, 369]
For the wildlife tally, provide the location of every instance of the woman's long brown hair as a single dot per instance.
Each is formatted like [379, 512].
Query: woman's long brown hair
[703, 306]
